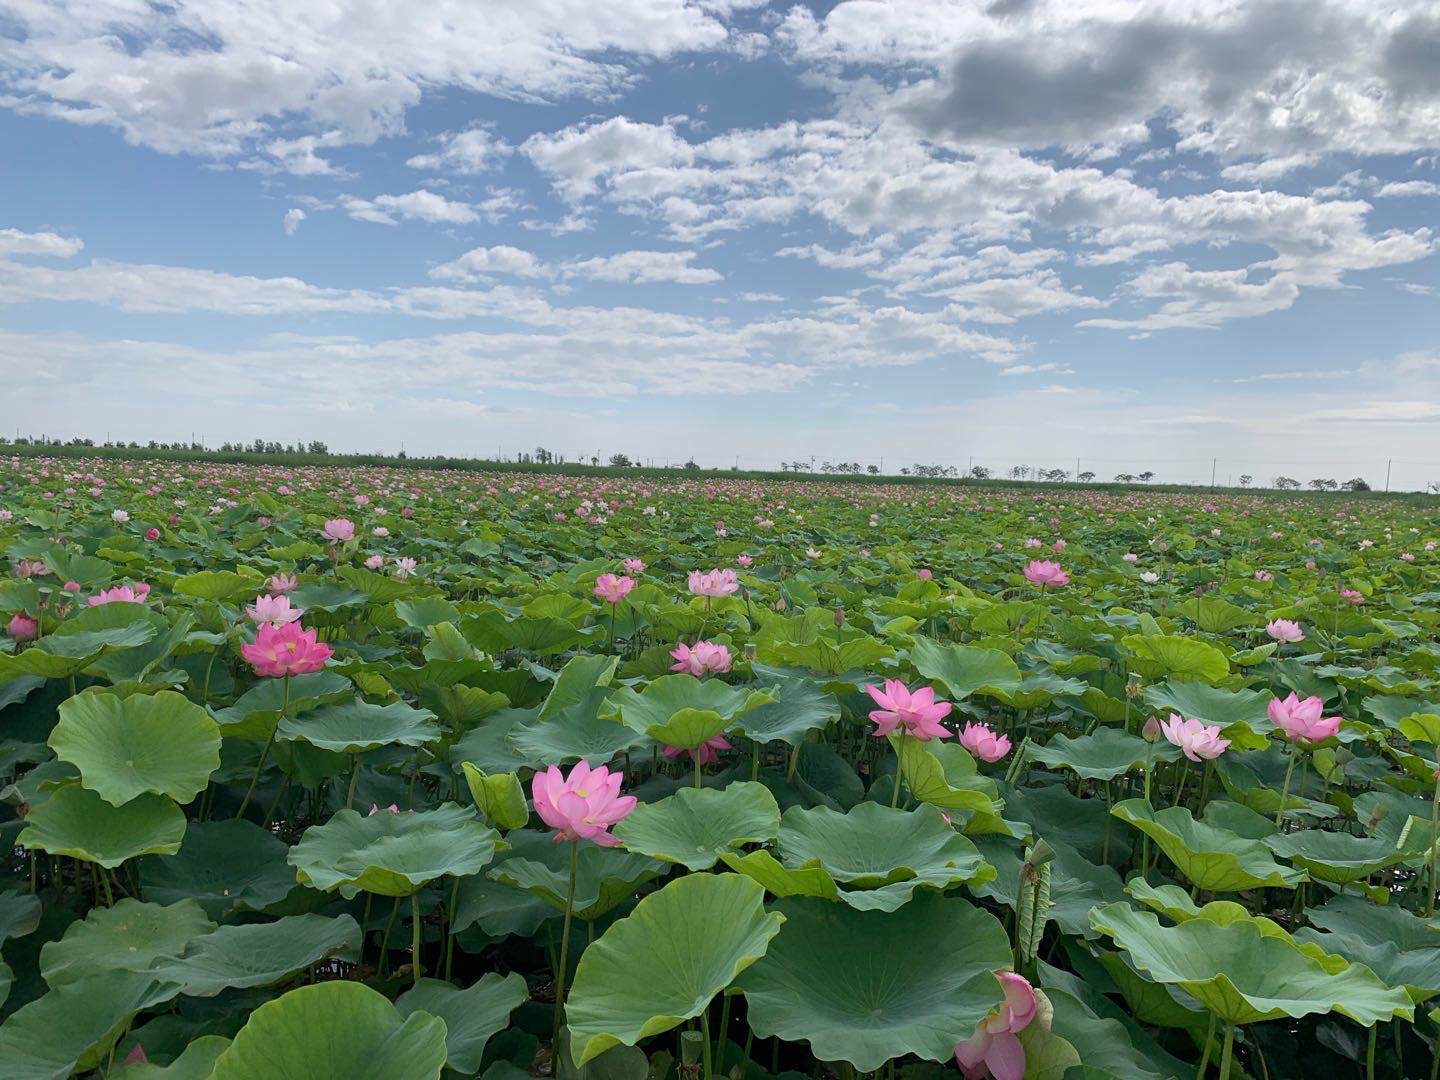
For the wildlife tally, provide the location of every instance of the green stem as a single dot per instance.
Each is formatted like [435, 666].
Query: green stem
[699, 782]
[415, 935]
[265, 753]
[560, 971]
[724, 1027]
[385, 938]
[1105, 844]
[354, 775]
[705, 1066]
[1228, 1051]
[105, 881]
[1434, 845]
[1205, 1056]
[1180, 787]
[450, 928]
[1370, 1052]
[1285, 788]
[895, 795]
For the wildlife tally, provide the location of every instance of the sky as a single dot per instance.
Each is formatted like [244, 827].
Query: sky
[1174, 235]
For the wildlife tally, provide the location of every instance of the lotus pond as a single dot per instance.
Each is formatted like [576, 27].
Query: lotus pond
[347, 773]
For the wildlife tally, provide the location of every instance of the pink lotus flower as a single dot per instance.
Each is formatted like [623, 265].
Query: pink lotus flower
[285, 650]
[376, 808]
[613, 589]
[583, 805]
[634, 566]
[405, 567]
[1044, 572]
[702, 658]
[1285, 630]
[1196, 741]
[993, 1050]
[152, 533]
[22, 627]
[273, 609]
[120, 594]
[984, 743]
[338, 530]
[1130, 556]
[709, 751]
[1264, 575]
[70, 586]
[919, 714]
[1151, 731]
[279, 584]
[1301, 721]
[374, 562]
[1352, 597]
[925, 574]
[715, 583]
[744, 561]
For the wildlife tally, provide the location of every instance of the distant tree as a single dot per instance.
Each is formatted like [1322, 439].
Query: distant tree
[1323, 484]
[1356, 483]
[690, 466]
[1124, 478]
[979, 472]
[1019, 472]
[1146, 476]
[873, 470]
[1246, 479]
[1285, 483]
[1085, 477]
[620, 461]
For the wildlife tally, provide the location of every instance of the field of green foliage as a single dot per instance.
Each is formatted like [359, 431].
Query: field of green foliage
[321, 773]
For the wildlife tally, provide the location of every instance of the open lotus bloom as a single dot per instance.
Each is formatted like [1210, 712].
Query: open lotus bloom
[121, 594]
[1302, 720]
[273, 609]
[1196, 740]
[1044, 572]
[994, 1051]
[1285, 630]
[612, 588]
[917, 715]
[702, 658]
[708, 753]
[288, 649]
[581, 806]
[715, 583]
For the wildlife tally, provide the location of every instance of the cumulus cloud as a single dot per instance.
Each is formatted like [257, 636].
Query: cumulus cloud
[292, 219]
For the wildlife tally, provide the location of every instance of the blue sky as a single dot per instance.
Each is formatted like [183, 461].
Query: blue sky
[1145, 235]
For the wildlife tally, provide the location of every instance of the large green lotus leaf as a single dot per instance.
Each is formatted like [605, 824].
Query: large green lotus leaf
[663, 963]
[218, 585]
[1076, 883]
[196, 1062]
[499, 910]
[380, 588]
[471, 1016]
[575, 682]
[1209, 856]
[1053, 813]
[914, 981]
[353, 727]
[72, 1028]
[258, 954]
[334, 1031]
[1400, 948]
[488, 745]
[965, 669]
[1103, 755]
[1241, 778]
[130, 936]
[693, 826]
[85, 570]
[162, 744]
[256, 712]
[1210, 703]
[851, 650]
[1335, 856]
[500, 798]
[392, 854]
[1036, 691]
[19, 914]
[873, 846]
[944, 775]
[63, 654]
[1214, 615]
[603, 876]
[1101, 1042]
[681, 710]
[461, 707]
[576, 732]
[226, 866]
[1161, 654]
[1243, 976]
[75, 821]
[801, 707]
[426, 611]
[808, 879]
[1393, 710]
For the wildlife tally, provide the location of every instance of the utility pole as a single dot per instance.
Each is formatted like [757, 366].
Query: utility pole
[1077, 470]
[1213, 463]
[1387, 473]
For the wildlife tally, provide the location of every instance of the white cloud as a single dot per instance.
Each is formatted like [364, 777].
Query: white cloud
[292, 219]
[48, 244]
[485, 262]
[223, 79]
[644, 268]
[419, 205]
[475, 150]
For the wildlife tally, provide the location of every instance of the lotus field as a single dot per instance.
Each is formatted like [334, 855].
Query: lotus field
[375, 773]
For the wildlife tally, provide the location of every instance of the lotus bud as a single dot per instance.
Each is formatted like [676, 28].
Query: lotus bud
[1151, 730]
